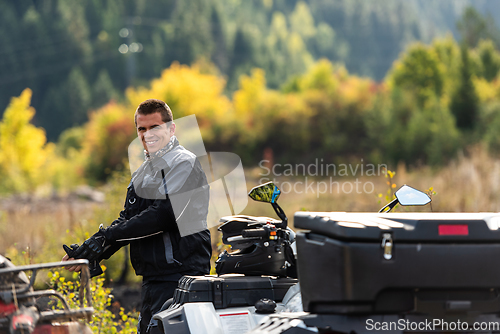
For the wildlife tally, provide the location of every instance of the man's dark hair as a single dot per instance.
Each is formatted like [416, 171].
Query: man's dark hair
[151, 106]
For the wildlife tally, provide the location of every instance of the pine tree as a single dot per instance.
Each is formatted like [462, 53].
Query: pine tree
[103, 90]
[219, 56]
[489, 59]
[465, 102]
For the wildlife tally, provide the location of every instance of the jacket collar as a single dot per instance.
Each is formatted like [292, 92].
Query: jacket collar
[162, 151]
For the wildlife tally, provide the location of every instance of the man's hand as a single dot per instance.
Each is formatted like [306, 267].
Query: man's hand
[75, 268]
[91, 249]
[94, 267]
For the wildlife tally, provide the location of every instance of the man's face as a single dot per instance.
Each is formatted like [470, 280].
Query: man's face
[153, 132]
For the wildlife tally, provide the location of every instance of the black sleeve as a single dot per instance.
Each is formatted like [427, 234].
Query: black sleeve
[117, 245]
[148, 222]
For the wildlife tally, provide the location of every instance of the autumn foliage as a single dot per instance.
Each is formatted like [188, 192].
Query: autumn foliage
[27, 161]
[324, 113]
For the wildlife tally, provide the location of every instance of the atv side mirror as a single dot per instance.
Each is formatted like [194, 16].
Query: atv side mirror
[407, 195]
[267, 192]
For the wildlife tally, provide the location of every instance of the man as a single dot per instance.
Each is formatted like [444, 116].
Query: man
[164, 219]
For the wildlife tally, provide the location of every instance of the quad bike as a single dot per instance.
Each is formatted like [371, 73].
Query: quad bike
[358, 272]
[395, 272]
[19, 313]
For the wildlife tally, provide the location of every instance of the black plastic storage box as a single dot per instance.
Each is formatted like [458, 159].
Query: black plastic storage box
[230, 290]
[417, 263]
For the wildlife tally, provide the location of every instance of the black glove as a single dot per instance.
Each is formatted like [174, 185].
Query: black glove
[94, 266]
[91, 249]
[71, 250]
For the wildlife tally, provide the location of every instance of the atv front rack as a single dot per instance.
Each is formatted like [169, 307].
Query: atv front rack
[12, 291]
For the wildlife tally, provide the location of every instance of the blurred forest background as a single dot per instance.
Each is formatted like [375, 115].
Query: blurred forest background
[411, 84]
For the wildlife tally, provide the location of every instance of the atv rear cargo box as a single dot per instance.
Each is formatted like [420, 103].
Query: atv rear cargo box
[376, 263]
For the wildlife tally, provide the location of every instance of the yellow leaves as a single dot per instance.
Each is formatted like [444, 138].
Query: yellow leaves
[335, 83]
[188, 91]
[320, 77]
[431, 192]
[261, 112]
[485, 90]
[249, 101]
[108, 133]
[326, 93]
[252, 89]
[357, 91]
[23, 149]
[389, 175]
[103, 319]
[100, 120]
[27, 162]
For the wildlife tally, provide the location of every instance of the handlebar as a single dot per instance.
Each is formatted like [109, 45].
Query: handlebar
[253, 233]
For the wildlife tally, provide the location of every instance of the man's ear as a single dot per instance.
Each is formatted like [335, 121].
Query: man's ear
[172, 128]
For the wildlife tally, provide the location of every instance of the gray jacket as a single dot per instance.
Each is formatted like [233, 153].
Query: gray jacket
[164, 218]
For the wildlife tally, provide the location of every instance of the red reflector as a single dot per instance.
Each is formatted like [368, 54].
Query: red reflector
[453, 230]
[230, 314]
